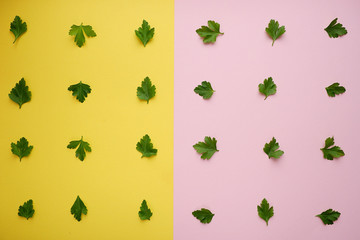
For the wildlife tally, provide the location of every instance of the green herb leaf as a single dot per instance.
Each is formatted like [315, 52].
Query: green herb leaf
[80, 90]
[147, 90]
[78, 32]
[264, 211]
[268, 87]
[335, 30]
[20, 93]
[17, 27]
[204, 215]
[83, 146]
[146, 147]
[274, 30]
[331, 153]
[335, 89]
[329, 216]
[78, 208]
[209, 33]
[27, 209]
[144, 33]
[204, 90]
[21, 148]
[271, 149]
[145, 213]
[207, 148]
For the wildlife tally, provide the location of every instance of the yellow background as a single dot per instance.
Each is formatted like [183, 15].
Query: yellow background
[113, 179]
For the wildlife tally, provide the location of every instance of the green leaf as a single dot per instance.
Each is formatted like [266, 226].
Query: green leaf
[264, 211]
[17, 27]
[331, 153]
[204, 90]
[271, 149]
[335, 30]
[206, 148]
[204, 215]
[144, 33]
[145, 213]
[84, 147]
[78, 32]
[26, 210]
[274, 30]
[80, 90]
[78, 208]
[20, 93]
[147, 90]
[335, 89]
[146, 147]
[209, 33]
[329, 216]
[268, 87]
[21, 148]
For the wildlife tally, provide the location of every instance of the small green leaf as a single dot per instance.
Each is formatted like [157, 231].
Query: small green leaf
[146, 147]
[271, 149]
[329, 216]
[27, 209]
[147, 90]
[264, 211]
[210, 32]
[145, 213]
[335, 89]
[274, 30]
[268, 87]
[206, 148]
[204, 90]
[331, 153]
[78, 208]
[20, 93]
[204, 215]
[84, 147]
[17, 27]
[77, 31]
[144, 33]
[80, 90]
[21, 148]
[335, 30]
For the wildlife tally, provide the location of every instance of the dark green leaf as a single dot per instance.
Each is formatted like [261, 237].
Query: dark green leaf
[210, 32]
[21, 148]
[271, 149]
[17, 27]
[26, 210]
[80, 90]
[146, 147]
[274, 30]
[331, 153]
[20, 93]
[265, 211]
[335, 89]
[144, 33]
[147, 90]
[145, 213]
[207, 148]
[77, 31]
[268, 87]
[335, 30]
[204, 90]
[329, 216]
[204, 215]
[84, 147]
[78, 208]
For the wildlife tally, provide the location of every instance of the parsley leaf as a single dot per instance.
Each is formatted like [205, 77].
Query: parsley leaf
[77, 31]
[268, 87]
[147, 90]
[146, 147]
[335, 89]
[17, 27]
[21, 148]
[329, 216]
[207, 148]
[20, 93]
[204, 215]
[204, 90]
[145, 213]
[83, 146]
[331, 153]
[80, 90]
[274, 30]
[26, 210]
[264, 211]
[209, 33]
[78, 208]
[144, 33]
[334, 30]
[271, 149]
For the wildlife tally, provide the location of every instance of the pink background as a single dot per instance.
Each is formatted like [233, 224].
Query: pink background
[300, 116]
